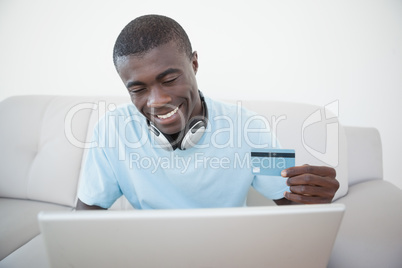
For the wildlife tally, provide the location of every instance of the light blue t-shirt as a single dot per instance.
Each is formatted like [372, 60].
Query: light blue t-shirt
[216, 172]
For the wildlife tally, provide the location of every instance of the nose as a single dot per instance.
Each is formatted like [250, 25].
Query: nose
[158, 98]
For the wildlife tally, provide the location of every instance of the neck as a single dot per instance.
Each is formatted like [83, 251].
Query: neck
[177, 137]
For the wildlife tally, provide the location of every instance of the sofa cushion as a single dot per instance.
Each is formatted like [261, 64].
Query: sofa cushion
[19, 222]
[371, 231]
[31, 255]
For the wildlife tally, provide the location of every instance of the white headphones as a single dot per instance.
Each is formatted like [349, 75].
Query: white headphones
[195, 129]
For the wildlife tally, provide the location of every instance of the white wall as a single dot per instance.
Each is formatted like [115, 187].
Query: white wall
[304, 51]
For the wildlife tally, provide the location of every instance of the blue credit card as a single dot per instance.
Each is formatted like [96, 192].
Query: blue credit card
[271, 161]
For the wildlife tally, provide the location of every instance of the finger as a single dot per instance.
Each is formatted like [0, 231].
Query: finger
[303, 199]
[308, 190]
[310, 179]
[317, 170]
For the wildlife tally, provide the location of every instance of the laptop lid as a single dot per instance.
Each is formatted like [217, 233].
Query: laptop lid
[277, 236]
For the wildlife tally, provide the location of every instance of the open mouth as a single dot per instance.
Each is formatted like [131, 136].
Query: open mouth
[170, 114]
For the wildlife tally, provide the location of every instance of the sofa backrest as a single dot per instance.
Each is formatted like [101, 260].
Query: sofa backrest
[37, 162]
[43, 138]
[364, 154]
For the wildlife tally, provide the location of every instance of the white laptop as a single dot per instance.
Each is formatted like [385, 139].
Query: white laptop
[277, 236]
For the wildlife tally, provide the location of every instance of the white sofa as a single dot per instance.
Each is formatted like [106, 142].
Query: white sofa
[41, 142]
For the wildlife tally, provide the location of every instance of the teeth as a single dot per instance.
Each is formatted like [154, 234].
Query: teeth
[168, 114]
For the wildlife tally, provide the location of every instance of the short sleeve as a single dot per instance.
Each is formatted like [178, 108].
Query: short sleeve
[98, 184]
[272, 187]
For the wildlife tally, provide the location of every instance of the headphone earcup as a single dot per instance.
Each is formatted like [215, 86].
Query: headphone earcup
[162, 140]
[193, 135]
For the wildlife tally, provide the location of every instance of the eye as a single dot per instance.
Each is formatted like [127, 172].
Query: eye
[170, 80]
[136, 90]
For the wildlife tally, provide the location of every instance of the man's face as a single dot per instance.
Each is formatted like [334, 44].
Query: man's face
[162, 86]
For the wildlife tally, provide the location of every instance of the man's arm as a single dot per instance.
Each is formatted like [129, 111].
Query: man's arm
[82, 206]
[309, 185]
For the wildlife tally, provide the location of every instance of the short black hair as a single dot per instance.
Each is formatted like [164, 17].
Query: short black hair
[147, 32]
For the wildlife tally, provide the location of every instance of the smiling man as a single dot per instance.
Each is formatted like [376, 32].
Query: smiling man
[175, 147]
[163, 87]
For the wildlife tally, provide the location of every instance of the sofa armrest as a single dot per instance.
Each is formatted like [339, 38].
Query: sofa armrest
[371, 231]
[364, 154]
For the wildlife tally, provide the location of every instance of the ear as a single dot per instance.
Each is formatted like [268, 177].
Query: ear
[194, 62]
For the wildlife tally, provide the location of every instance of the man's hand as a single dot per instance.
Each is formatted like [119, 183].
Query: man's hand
[311, 184]
[82, 206]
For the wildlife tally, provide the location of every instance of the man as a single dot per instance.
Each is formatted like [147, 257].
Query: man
[177, 148]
